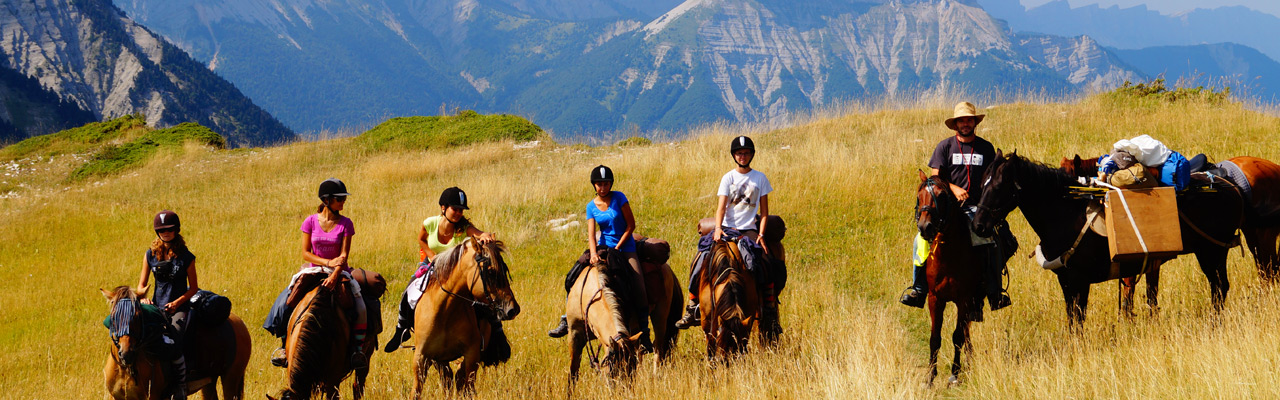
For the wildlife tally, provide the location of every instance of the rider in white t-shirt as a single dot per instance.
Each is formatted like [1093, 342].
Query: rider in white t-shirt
[744, 200]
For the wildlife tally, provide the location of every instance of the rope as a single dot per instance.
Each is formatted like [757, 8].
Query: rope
[1146, 254]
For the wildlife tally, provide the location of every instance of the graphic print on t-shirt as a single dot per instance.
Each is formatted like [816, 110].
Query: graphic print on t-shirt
[966, 159]
[743, 195]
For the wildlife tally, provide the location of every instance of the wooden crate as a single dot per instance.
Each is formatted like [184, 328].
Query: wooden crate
[1155, 212]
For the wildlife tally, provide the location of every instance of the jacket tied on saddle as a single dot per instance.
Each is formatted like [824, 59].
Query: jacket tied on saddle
[770, 267]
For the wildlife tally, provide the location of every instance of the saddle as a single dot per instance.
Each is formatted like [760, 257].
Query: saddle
[372, 287]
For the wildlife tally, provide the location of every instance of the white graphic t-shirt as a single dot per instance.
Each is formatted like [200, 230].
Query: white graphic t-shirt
[744, 192]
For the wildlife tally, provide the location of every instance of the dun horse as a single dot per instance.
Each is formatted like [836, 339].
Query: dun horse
[134, 371]
[1260, 229]
[597, 308]
[1041, 192]
[468, 292]
[952, 269]
[317, 343]
[732, 304]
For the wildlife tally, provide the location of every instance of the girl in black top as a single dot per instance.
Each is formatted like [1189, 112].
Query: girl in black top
[175, 270]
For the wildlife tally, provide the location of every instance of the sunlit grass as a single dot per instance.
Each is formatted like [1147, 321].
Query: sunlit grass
[844, 182]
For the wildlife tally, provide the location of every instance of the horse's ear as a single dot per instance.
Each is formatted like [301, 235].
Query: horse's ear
[105, 293]
[635, 338]
[922, 176]
[999, 153]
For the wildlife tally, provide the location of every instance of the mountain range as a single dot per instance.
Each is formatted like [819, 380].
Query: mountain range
[578, 67]
[95, 61]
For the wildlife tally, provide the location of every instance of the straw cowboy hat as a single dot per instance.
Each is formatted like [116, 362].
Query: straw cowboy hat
[964, 109]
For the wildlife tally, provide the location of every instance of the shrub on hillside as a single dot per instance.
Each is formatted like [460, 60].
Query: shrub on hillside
[114, 159]
[466, 127]
[75, 140]
[1157, 91]
[634, 141]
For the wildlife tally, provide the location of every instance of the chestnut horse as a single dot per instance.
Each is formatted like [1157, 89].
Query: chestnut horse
[134, 372]
[317, 343]
[469, 290]
[600, 305]
[1041, 192]
[953, 270]
[732, 301]
[1261, 226]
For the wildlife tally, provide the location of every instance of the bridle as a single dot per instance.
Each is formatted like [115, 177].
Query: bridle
[936, 206]
[1002, 212]
[483, 264]
[121, 326]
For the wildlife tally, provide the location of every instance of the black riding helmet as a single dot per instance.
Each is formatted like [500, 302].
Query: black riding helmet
[332, 187]
[742, 142]
[166, 219]
[454, 197]
[601, 174]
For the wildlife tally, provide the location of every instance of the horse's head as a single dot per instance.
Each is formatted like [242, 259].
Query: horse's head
[1000, 190]
[622, 355]
[494, 283]
[934, 204]
[1079, 167]
[125, 324]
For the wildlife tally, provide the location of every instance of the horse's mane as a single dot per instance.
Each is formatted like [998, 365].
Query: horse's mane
[122, 292]
[316, 322]
[1040, 177]
[618, 281]
[722, 260]
[446, 262]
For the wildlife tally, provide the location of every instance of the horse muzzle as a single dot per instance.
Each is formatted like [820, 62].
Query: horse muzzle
[510, 311]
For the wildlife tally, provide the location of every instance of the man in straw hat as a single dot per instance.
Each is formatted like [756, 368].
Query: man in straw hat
[962, 159]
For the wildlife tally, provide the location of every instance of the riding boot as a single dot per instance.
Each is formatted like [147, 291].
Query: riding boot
[279, 357]
[917, 293]
[692, 315]
[560, 330]
[992, 279]
[180, 378]
[397, 338]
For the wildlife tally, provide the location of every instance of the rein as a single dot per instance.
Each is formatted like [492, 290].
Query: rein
[592, 352]
[482, 262]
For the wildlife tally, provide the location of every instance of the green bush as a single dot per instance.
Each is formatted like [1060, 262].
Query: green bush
[634, 141]
[113, 159]
[74, 140]
[1156, 91]
[467, 127]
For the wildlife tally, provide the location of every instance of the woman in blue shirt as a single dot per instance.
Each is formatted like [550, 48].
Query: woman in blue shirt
[609, 213]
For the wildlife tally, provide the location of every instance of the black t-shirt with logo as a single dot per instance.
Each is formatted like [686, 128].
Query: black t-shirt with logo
[962, 163]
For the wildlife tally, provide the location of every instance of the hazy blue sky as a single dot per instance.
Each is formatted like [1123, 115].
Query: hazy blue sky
[1173, 6]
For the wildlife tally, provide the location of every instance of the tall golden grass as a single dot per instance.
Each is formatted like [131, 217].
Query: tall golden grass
[844, 181]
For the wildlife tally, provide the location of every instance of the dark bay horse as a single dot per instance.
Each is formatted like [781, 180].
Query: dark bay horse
[468, 292]
[1260, 229]
[1041, 192]
[317, 343]
[953, 270]
[731, 305]
[134, 372]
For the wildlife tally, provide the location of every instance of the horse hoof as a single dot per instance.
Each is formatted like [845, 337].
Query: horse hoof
[953, 380]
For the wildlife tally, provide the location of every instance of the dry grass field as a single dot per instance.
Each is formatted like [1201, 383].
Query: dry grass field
[844, 182]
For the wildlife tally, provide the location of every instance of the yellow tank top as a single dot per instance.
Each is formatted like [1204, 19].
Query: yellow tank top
[432, 226]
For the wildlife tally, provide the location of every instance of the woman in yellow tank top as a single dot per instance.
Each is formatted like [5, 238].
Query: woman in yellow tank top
[438, 233]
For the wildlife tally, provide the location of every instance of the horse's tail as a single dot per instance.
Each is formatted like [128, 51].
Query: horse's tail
[674, 310]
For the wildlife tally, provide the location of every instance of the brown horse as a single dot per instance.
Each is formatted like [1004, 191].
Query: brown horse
[732, 304]
[952, 269]
[134, 372]
[317, 343]
[1041, 192]
[1260, 229]
[468, 292]
[600, 305]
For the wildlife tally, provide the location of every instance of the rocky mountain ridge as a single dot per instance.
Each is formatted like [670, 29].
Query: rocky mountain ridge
[91, 55]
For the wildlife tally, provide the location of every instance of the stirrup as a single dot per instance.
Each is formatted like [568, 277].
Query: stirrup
[279, 358]
[914, 297]
[692, 316]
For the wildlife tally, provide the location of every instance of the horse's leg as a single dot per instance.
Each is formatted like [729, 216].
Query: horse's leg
[1128, 286]
[1071, 296]
[959, 339]
[465, 379]
[419, 372]
[357, 381]
[446, 375]
[1213, 262]
[936, 310]
[577, 341]
[210, 390]
[1265, 253]
[1153, 289]
[232, 386]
